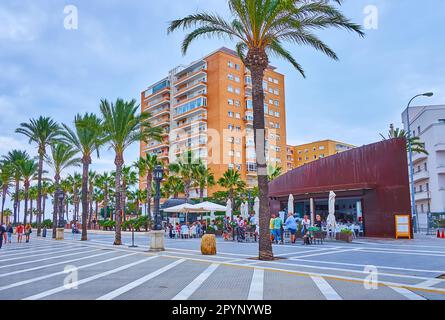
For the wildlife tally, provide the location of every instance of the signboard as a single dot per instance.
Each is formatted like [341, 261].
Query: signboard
[403, 226]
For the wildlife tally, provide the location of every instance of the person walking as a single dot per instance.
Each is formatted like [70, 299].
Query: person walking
[271, 227]
[278, 224]
[2, 232]
[19, 231]
[291, 225]
[28, 231]
[241, 229]
[10, 231]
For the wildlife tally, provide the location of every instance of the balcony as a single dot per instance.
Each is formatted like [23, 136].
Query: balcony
[161, 122]
[158, 93]
[157, 103]
[421, 175]
[186, 109]
[195, 85]
[157, 146]
[190, 135]
[420, 196]
[190, 76]
[419, 157]
[160, 112]
[440, 147]
[441, 169]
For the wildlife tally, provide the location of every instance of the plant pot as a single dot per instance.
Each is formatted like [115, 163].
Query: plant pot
[344, 237]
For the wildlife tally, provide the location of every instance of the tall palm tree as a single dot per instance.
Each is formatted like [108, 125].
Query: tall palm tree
[184, 167]
[231, 180]
[76, 182]
[42, 131]
[67, 188]
[92, 178]
[129, 179]
[123, 126]
[29, 170]
[260, 28]
[33, 196]
[14, 157]
[6, 177]
[87, 138]
[47, 189]
[204, 178]
[416, 145]
[145, 167]
[62, 157]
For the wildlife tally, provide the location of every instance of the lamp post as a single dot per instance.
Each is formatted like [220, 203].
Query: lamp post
[411, 164]
[158, 175]
[60, 196]
[15, 212]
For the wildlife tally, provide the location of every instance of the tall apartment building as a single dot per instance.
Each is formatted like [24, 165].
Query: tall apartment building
[309, 152]
[428, 123]
[290, 158]
[206, 107]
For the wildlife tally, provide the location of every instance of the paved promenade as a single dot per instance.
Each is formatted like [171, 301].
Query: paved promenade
[367, 269]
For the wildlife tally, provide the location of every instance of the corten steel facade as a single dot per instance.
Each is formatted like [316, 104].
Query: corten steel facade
[374, 173]
[206, 107]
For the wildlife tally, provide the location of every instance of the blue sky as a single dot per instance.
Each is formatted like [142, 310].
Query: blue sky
[121, 47]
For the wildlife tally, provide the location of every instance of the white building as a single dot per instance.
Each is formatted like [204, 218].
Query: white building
[428, 123]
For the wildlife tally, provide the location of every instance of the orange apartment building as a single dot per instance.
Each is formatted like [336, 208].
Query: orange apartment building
[298, 156]
[206, 107]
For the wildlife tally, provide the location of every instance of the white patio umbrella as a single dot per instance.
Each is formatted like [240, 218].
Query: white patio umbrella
[185, 208]
[229, 208]
[256, 208]
[290, 204]
[241, 209]
[331, 220]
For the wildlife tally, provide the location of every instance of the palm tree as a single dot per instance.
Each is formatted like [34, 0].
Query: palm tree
[104, 182]
[231, 180]
[274, 172]
[129, 178]
[184, 167]
[33, 196]
[145, 168]
[28, 170]
[123, 126]
[6, 177]
[62, 157]
[76, 182]
[43, 132]
[47, 188]
[92, 178]
[204, 178]
[260, 27]
[14, 157]
[86, 139]
[416, 145]
[173, 186]
[67, 188]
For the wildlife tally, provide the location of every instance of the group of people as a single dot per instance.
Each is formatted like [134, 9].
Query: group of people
[239, 228]
[186, 230]
[277, 228]
[6, 232]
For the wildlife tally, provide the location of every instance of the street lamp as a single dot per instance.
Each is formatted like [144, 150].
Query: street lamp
[411, 164]
[60, 198]
[158, 175]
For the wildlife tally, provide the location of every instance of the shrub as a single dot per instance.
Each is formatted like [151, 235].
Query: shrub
[346, 231]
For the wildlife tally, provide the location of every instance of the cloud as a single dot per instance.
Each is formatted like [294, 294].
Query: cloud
[22, 24]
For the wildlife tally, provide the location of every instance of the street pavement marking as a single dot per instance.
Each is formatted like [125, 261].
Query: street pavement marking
[44, 259]
[325, 253]
[196, 283]
[138, 282]
[289, 254]
[257, 285]
[220, 253]
[43, 254]
[413, 253]
[430, 283]
[86, 280]
[25, 251]
[53, 264]
[21, 283]
[407, 293]
[326, 289]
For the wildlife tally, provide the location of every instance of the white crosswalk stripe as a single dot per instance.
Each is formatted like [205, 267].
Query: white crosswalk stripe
[43, 254]
[407, 293]
[256, 285]
[196, 283]
[53, 264]
[326, 289]
[24, 252]
[21, 283]
[118, 292]
[86, 280]
[45, 259]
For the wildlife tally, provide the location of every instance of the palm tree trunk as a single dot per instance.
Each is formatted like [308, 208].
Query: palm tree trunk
[201, 195]
[16, 199]
[26, 202]
[39, 195]
[3, 204]
[119, 161]
[43, 207]
[30, 210]
[86, 162]
[124, 197]
[56, 206]
[149, 182]
[257, 61]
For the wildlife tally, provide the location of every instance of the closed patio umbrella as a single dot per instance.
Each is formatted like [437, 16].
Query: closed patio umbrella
[256, 208]
[229, 208]
[331, 220]
[290, 204]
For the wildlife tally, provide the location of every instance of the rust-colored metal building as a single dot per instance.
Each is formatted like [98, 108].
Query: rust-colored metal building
[371, 183]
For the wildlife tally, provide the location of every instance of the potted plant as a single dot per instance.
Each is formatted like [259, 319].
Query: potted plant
[344, 235]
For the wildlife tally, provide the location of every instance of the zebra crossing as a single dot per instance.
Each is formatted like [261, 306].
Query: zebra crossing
[68, 270]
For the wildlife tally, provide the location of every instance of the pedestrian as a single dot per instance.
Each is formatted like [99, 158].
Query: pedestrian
[28, 231]
[227, 228]
[241, 229]
[2, 232]
[170, 231]
[19, 231]
[44, 232]
[271, 227]
[291, 225]
[198, 229]
[10, 231]
[278, 224]
[306, 224]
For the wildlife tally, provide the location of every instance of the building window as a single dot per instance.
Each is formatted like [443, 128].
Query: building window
[230, 89]
[441, 120]
[231, 153]
[238, 154]
[237, 67]
[230, 76]
[230, 102]
[277, 103]
[277, 126]
[238, 129]
[276, 92]
[237, 115]
[230, 64]
[230, 114]
[418, 130]
[237, 103]
[230, 127]
[237, 79]
[270, 112]
[237, 91]
[321, 148]
[275, 81]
